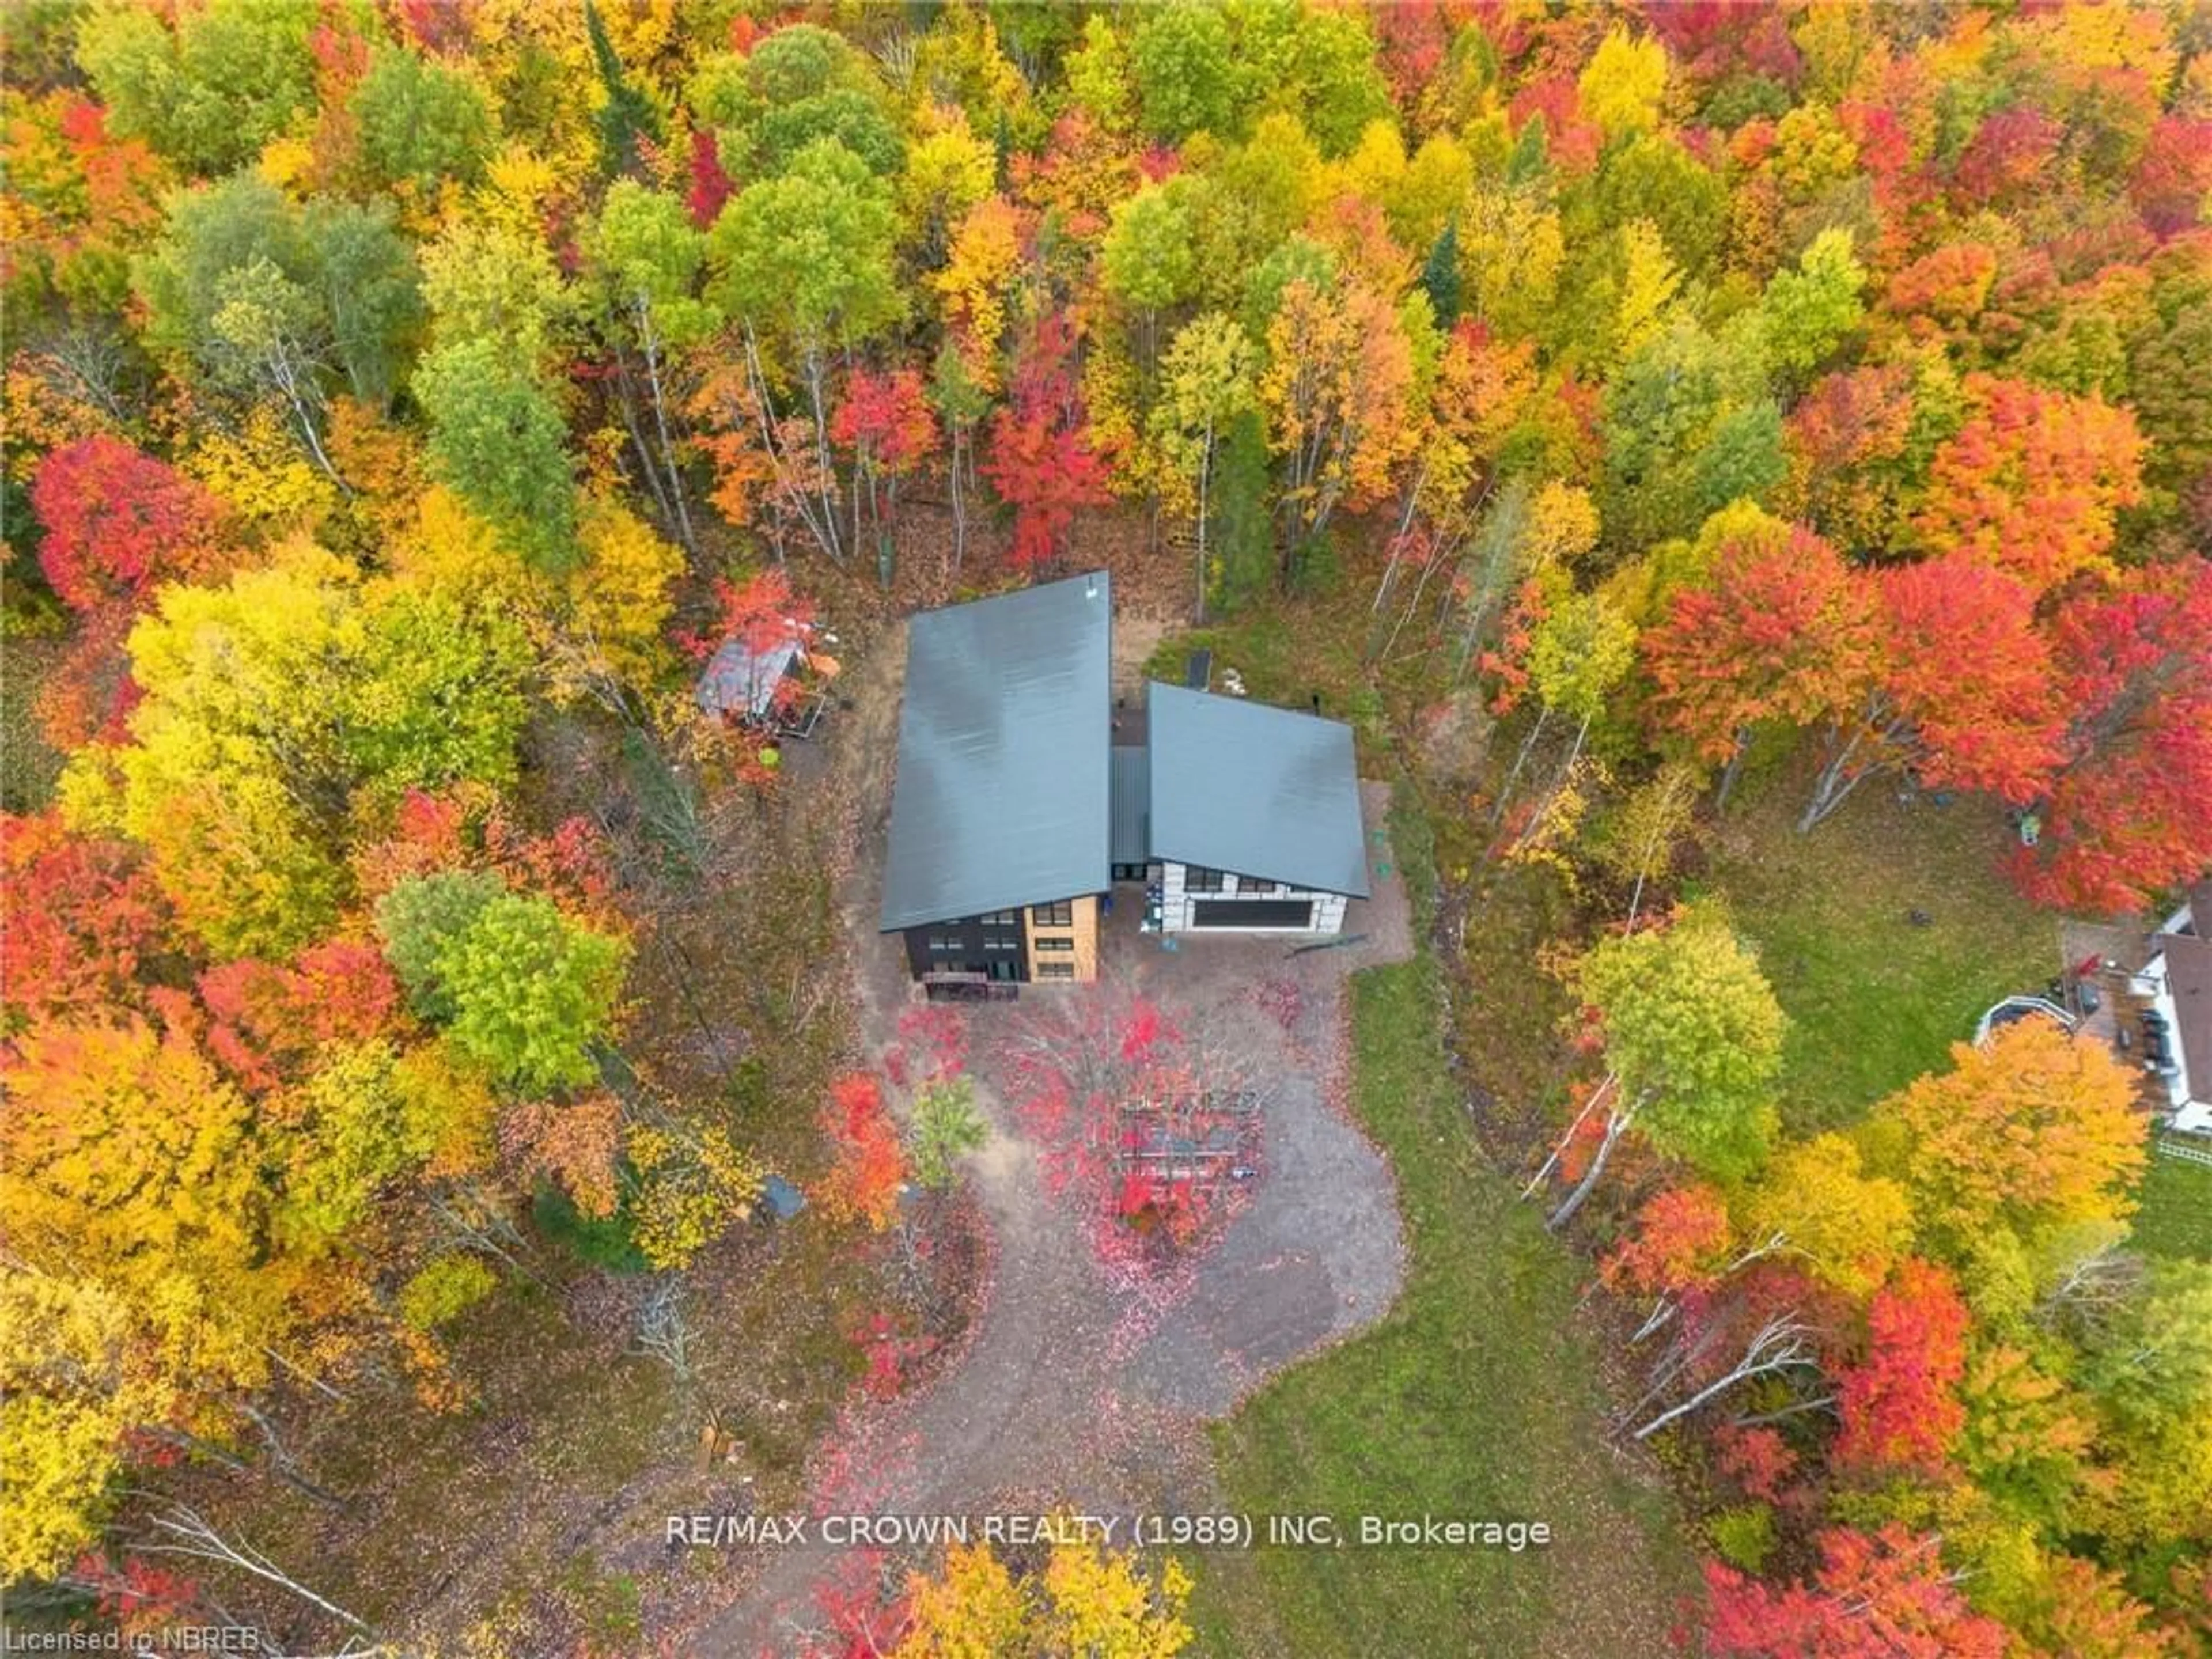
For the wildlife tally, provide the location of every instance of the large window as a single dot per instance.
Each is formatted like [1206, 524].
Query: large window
[1197, 879]
[1055, 970]
[1061, 945]
[998, 942]
[1000, 918]
[1253, 884]
[1289, 914]
[1061, 914]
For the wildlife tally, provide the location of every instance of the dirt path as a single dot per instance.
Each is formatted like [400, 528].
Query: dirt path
[1079, 1385]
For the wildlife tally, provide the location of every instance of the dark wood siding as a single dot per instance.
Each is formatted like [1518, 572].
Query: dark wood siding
[966, 943]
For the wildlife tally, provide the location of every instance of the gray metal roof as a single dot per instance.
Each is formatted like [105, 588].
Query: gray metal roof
[1256, 791]
[1002, 792]
[740, 679]
[1133, 805]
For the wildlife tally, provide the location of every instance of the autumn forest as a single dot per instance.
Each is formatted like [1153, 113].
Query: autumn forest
[1743, 471]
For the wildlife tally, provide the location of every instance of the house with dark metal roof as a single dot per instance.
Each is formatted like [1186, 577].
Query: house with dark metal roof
[2148, 992]
[1000, 827]
[1253, 815]
[1015, 808]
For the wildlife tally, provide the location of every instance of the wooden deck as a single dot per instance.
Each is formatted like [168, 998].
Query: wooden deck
[2112, 957]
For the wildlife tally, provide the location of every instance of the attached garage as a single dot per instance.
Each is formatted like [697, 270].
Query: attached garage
[1253, 912]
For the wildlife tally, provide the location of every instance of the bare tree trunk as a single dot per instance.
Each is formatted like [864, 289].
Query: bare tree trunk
[826, 482]
[860, 535]
[883, 502]
[1665, 1308]
[1552, 1163]
[1821, 1404]
[646, 461]
[1730, 773]
[1388, 579]
[821, 525]
[286, 379]
[1778, 1345]
[1649, 853]
[1832, 787]
[1565, 774]
[1837, 780]
[1615, 1124]
[959, 498]
[650, 344]
[474, 1234]
[283, 1466]
[93, 361]
[663, 1332]
[183, 1531]
[1505, 793]
[305, 1375]
[1439, 555]
[1204, 479]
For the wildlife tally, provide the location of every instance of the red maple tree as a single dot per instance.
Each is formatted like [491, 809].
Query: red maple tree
[1782, 630]
[1900, 1406]
[1679, 1237]
[868, 1167]
[1970, 677]
[267, 1020]
[2125, 815]
[711, 186]
[1880, 1596]
[116, 519]
[1042, 463]
[82, 916]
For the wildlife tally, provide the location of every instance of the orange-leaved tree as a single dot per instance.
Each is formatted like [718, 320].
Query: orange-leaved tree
[2033, 1132]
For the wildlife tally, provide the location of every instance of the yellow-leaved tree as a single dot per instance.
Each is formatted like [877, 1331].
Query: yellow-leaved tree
[1621, 86]
[617, 604]
[1848, 1227]
[2026, 1136]
[1087, 1603]
[70, 1388]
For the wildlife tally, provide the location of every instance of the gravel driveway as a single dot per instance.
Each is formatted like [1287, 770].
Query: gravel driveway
[1081, 1385]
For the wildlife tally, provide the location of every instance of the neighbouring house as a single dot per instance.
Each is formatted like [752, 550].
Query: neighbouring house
[1014, 811]
[2176, 1026]
[2149, 994]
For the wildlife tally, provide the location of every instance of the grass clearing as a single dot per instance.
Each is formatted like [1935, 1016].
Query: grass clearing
[2176, 1216]
[1476, 1398]
[1287, 654]
[27, 767]
[1875, 997]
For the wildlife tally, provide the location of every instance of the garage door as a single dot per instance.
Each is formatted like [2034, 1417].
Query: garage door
[1253, 912]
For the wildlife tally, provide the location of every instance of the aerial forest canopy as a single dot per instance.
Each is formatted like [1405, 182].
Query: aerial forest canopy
[1659, 406]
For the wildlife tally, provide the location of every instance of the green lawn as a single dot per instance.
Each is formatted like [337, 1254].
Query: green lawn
[27, 767]
[1874, 998]
[1476, 1397]
[2176, 1218]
